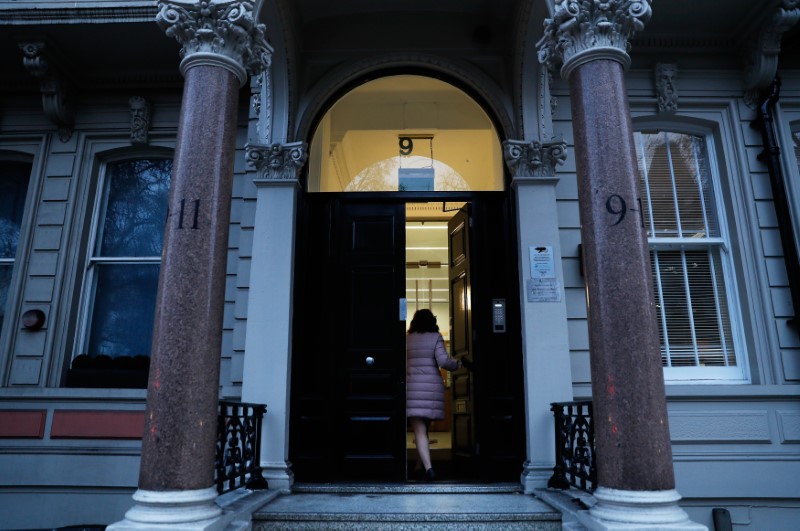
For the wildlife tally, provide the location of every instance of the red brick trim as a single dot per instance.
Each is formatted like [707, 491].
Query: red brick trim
[81, 424]
[22, 424]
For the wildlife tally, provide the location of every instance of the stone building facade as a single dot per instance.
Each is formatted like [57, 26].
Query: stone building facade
[617, 189]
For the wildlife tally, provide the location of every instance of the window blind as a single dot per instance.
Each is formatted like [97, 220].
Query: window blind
[687, 250]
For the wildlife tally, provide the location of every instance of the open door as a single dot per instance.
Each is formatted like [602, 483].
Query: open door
[461, 338]
[348, 366]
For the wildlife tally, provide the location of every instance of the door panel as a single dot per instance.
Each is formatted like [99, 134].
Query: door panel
[498, 384]
[461, 339]
[348, 412]
[371, 345]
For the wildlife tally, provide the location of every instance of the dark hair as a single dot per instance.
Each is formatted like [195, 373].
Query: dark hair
[423, 321]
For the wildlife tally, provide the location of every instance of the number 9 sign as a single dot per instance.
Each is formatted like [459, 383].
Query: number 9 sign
[406, 145]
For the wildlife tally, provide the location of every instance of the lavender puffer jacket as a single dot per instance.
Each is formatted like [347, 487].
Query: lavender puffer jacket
[424, 387]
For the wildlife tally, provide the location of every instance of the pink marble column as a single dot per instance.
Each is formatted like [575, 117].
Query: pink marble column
[589, 41]
[631, 430]
[221, 45]
[180, 429]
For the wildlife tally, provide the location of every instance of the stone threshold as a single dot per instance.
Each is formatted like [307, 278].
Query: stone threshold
[406, 488]
[445, 507]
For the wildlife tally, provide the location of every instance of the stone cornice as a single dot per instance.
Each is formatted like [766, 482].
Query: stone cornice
[278, 161]
[21, 13]
[585, 30]
[534, 158]
[221, 33]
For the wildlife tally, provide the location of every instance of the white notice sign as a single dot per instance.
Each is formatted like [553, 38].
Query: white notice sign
[542, 264]
[543, 290]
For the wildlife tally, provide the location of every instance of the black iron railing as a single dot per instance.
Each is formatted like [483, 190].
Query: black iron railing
[575, 454]
[238, 460]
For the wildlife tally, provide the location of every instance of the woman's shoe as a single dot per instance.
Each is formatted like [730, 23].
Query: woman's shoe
[430, 475]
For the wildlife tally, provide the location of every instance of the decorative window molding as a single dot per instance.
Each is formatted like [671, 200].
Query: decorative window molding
[141, 113]
[694, 285]
[666, 87]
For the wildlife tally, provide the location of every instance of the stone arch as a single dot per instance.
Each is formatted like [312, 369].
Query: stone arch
[283, 84]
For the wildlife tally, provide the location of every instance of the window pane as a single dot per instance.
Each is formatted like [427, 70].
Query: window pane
[693, 318]
[124, 309]
[14, 177]
[13, 190]
[5, 282]
[136, 208]
[675, 186]
[796, 139]
[379, 131]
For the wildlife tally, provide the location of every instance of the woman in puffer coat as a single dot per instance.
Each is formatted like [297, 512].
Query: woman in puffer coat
[425, 353]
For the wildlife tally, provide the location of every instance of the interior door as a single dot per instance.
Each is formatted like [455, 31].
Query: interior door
[369, 340]
[461, 338]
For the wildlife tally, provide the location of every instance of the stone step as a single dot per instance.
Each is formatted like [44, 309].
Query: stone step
[448, 507]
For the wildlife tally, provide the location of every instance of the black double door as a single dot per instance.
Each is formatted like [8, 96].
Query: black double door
[348, 371]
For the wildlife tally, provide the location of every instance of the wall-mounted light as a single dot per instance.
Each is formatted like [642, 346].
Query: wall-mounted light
[33, 320]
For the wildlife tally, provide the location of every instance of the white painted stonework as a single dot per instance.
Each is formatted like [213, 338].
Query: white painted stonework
[177, 510]
[629, 509]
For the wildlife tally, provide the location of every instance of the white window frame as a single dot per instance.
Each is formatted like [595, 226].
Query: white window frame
[719, 375]
[91, 261]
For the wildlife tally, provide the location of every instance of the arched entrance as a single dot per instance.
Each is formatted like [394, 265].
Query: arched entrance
[404, 207]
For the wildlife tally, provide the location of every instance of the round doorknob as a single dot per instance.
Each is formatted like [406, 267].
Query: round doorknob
[370, 360]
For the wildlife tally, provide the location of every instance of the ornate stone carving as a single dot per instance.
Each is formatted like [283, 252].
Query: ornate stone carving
[55, 100]
[761, 56]
[534, 159]
[261, 115]
[278, 161]
[666, 89]
[546, 107]
[140, 119]
[221, 32]
[583, 30]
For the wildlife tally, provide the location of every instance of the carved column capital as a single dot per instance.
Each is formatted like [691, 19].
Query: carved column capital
[761, 56]
[278, 161]
[217, 32]
[585, 30]
[534, 159]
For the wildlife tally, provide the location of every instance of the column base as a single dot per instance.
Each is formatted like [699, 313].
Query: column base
[535, 475]
[278, 474]
[625, 510]
[175, 510]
